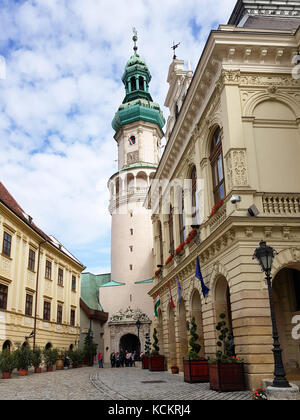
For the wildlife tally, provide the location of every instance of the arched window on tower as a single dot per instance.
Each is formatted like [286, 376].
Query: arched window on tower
[141, 83]
[216, 161]
[133, 83]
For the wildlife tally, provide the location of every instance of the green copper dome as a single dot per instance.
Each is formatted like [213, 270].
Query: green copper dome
[138, 103]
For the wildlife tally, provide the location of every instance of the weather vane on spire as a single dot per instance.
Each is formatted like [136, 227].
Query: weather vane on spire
[175, 46]
[135, 38]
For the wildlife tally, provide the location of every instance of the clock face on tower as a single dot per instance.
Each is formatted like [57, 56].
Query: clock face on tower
[132, 140]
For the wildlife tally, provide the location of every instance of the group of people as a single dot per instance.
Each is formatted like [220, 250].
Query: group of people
[123, 359]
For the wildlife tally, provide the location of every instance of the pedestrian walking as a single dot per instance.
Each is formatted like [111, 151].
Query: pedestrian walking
[122, 358]
[112, 359]
[100, 360]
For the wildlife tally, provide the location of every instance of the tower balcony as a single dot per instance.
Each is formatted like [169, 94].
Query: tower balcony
[136, 195]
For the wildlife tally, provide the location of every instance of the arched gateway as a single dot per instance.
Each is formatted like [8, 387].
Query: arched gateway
[125, 331]
[131, 343]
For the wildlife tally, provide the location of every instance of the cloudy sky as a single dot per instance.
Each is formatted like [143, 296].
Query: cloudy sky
[59, 90]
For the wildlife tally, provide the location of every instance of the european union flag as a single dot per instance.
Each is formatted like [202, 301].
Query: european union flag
[179, 291]
[198, 275]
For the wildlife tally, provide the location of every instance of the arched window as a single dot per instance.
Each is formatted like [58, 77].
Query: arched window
[195, 203]
[216, 160]
[160, 238]
[182, 220]
[171, 231]
[141, 83]
[133, 83]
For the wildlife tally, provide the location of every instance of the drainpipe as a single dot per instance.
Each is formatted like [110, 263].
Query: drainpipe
[36, 292]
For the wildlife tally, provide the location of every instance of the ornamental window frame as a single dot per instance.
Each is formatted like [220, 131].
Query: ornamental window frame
[3, 296]
[28, 304]
[6, 244]
[31, 259]
[217, 165]
[60, 276]
[47, 310]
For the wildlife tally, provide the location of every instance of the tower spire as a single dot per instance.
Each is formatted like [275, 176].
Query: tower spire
[135, 39]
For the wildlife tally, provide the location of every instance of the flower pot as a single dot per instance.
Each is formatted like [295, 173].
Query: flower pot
[37, 370]
[195, 371]
[23, 372]
[6, 375]
[175, 370]
[59, 364]
[145, 362]
[49, 369]
[156, 363]
[226, 376]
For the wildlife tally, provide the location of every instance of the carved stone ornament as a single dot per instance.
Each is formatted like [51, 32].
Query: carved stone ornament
[132, 157]
[237, 172]
[129, 315]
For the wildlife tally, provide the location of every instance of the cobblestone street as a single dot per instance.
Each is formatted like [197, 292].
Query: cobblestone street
[108, 384]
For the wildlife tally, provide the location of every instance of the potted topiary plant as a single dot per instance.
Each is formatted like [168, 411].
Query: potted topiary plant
[146, 355]
[50, 358]
[81, 354]
[226, 372]
[195, 368]
[156, 361]
[37, 359]
[90, 348]
[75, 358]
[59, 364]
[7, 364]
[23, 358]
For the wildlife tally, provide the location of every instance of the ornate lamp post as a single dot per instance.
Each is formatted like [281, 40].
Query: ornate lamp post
[265, 256]
[138, 325]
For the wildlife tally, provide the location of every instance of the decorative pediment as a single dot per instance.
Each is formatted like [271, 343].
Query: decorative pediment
[129, 316]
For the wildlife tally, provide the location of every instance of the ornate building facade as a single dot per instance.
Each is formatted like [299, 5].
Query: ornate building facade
[228, 178]
[39, 283]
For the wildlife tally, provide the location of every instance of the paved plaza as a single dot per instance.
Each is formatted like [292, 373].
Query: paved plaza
[92, 383]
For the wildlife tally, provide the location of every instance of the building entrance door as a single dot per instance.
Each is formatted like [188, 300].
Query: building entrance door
[131, 343]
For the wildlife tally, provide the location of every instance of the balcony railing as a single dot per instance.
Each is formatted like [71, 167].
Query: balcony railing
[282, 204]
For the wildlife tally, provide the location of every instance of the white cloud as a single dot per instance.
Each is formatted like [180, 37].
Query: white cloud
[64, 63]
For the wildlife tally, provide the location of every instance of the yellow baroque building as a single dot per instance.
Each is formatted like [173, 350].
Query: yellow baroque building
[39, 283]
[231, 170]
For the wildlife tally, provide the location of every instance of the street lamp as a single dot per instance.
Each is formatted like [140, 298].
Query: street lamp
[265, 256]
[138, 325]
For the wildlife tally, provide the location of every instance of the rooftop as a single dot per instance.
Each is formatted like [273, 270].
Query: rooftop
[266, 14]
[8, 200]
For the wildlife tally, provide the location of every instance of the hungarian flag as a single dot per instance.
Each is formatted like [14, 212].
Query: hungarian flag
[131, 140]
[171, 299]
[156, 304]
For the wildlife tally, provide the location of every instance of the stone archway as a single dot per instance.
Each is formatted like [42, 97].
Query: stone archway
[123, 323]
[286, 297]
[7, 345]
[222, 301]
[222, 305]
[182, 333]
[172, 338]
[196, 312]
[130, 343]
[48, 346]
[159, 329]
